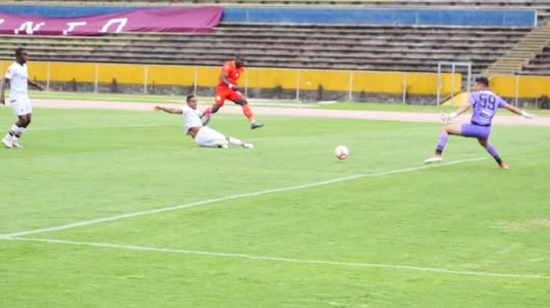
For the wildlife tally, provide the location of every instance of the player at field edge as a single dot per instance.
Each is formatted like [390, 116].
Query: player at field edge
[485, 105]
[228, 90]
[17, 77]
[196, 128]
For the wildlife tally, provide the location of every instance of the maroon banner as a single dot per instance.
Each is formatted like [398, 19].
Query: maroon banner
[182, 20]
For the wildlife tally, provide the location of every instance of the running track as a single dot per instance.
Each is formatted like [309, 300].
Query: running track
[298, 112]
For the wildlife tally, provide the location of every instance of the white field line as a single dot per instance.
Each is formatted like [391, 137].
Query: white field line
[287, 260]
[233, 197]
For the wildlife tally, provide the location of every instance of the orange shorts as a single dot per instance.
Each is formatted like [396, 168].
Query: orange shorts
[226, 93]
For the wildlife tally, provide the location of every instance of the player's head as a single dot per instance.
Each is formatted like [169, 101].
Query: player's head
[481, 83]
[239, 61]
[192, 101]
[21, 55]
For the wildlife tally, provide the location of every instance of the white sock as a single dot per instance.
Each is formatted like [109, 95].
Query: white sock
[19, 132]
[235, 141]
[11, 134]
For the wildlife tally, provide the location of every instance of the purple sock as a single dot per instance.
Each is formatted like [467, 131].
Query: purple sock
[441, 142]
[491, 149]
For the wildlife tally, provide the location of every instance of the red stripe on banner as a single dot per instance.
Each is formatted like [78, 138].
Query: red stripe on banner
[181, 20]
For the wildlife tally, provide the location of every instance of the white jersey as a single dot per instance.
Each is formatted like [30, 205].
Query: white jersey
[18, 75]
[192, 118]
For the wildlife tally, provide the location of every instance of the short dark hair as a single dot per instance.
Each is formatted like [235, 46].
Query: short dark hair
[483, 80]
[190, 97]
[19, 51]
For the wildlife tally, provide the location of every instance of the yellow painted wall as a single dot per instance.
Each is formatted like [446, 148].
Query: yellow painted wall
[529, 86]
[504, 86]
[170, 75]
[269, 78]
[418, 83]
[330, 80]
[393, 82]
[421, 83]
[370, 82]
[208, 76]
[38, 71]
[130, 74]
[377, 82]
[81, 72]
[373, 82]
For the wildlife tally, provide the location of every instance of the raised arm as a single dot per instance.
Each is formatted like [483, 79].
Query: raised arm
[517, 111]
[207, 114]
[169, 110]
[462, 109]
[3, 91]
[445, 118]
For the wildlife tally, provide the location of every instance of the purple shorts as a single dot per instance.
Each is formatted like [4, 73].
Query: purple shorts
[476, 131]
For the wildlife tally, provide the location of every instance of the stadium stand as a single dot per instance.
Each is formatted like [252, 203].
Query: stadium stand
[524, 52]
[540, 66]
[542, 6]
[492, 50]
[387, 48]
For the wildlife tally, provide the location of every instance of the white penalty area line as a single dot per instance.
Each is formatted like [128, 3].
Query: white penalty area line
[233, 197]
[286, 260]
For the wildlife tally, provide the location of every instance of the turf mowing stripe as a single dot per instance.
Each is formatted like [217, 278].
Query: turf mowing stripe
[287, 260]
[101, 126]
[233, 197]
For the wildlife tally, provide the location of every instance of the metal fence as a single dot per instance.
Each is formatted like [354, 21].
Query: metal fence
[288, 84]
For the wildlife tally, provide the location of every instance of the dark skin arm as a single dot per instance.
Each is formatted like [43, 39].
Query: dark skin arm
[36, 85]
[169, 110]
[179, 111]
[5, 86]
[227, 83]
[193, 131]
[3, 91]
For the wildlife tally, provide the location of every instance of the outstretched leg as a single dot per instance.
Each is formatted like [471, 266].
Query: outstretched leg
[208, 137]
[248, 113]
[237, 142]
[442, 142]
[491, 150]
[214, 108]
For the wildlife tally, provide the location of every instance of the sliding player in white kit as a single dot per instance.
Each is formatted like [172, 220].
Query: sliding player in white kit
[18, 79]
[194, 127]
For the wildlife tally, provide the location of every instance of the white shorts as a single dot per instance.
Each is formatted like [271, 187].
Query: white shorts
[207, 137]
[21, 105]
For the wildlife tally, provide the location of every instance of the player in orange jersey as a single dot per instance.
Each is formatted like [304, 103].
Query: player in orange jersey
[228, 89]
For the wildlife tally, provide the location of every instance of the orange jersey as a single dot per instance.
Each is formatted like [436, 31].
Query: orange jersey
[233, 73]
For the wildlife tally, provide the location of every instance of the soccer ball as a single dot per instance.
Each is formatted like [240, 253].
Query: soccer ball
[341, 152]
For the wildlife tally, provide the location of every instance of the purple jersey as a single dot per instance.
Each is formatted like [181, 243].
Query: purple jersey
[485, 104]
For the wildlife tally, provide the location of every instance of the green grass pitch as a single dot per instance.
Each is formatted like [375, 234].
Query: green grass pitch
[384, 241]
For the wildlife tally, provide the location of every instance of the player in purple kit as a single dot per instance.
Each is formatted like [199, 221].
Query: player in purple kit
[485, 104]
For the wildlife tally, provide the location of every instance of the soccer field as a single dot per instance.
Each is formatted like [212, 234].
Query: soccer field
[120, 209]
